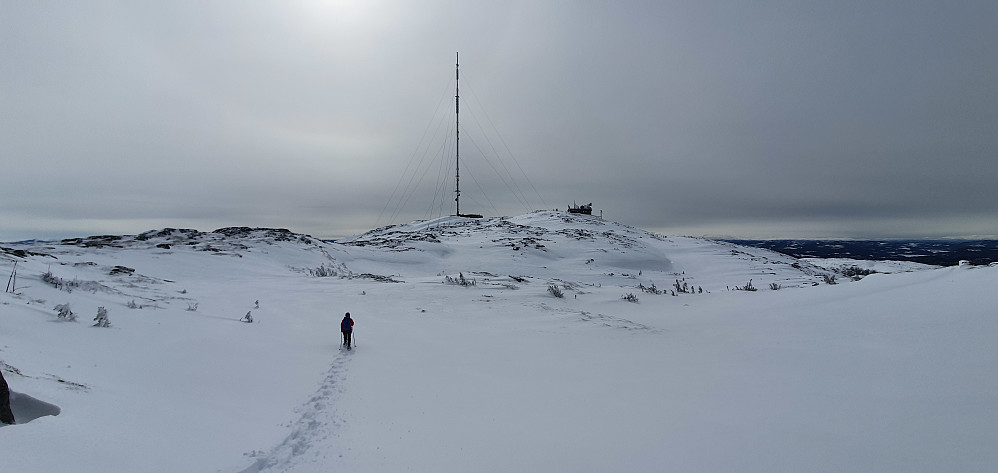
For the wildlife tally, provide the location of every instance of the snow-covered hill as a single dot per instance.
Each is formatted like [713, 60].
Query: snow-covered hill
[888, 373]
[584, 250]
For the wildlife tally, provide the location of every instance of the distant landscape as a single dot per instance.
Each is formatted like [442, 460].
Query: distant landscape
[936, 252]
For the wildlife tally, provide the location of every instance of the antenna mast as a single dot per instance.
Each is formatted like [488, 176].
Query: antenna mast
[457, 134]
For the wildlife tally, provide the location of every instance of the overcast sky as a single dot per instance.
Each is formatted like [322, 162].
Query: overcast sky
[763, 119]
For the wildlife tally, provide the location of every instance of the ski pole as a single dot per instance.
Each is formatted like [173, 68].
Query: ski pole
[12, 273]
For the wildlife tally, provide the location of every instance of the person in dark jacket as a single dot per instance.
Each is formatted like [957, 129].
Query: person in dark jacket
[6, 416]
[346, 326]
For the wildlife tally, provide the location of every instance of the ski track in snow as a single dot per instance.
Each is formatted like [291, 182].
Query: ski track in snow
[317, 423]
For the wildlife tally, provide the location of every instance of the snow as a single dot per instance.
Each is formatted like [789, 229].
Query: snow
[893, 372]
[868, 265]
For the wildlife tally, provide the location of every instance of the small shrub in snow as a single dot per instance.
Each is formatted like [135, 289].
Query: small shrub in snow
[192, 306]
[59, 283]
[651, 290]
[748, 287]
[856, 273]
[683, 288]
[122, 270]
[459, 280]
[630, 298]
[555, 291]
[132, 305]
[248, 318]
[101, 320]
[829, 279]
[774, 286]
[64, 312]
[50, 278]
[322, 271]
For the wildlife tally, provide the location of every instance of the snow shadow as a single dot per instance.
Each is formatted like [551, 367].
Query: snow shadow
[27, 408]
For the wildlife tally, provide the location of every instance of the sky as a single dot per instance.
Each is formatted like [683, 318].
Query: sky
[768, 119]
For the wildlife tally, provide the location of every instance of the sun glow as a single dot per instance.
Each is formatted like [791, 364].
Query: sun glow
[346, 14]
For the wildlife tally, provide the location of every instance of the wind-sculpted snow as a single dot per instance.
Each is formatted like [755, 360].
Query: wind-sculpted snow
[490, 345]
[27, 408]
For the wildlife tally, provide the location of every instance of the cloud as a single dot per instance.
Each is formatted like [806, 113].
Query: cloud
[856, 118]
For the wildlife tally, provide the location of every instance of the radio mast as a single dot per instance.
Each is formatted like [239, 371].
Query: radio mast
[457, 134]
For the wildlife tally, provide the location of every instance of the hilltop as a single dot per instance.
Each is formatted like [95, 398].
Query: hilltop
[586, 250]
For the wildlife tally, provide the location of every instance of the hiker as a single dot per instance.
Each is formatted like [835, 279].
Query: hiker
[346, 326]
[6, 416]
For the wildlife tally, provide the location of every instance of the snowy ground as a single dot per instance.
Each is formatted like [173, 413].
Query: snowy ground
[894, 372]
